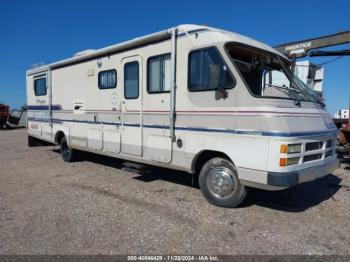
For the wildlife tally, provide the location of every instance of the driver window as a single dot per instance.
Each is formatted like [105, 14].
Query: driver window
[208, 71]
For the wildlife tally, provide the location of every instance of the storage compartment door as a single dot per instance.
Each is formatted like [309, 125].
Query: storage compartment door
[95, 139]
[159, 148]
[111, 141]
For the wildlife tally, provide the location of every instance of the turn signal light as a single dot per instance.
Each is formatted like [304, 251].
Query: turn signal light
[284, 149]
[283, 161]
[290, 149]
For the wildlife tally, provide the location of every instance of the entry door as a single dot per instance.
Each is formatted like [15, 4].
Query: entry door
[132, 106]
[41, 105]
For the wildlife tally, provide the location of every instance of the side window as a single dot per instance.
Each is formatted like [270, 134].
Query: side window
[159, 74]
[40, 87]
[107, 79]
[208, 71]
[131, 80]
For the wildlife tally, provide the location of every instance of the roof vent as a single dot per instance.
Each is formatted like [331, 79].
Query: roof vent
[84, 52]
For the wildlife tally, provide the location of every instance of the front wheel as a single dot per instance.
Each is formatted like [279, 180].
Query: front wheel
[68, 154]
[219, 183]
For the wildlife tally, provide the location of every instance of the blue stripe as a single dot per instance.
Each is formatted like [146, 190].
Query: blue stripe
[300, 134]
[60, 121]
[200, 129]
[43, 107]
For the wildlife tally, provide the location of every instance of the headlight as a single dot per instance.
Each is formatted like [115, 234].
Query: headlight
[289, 161]
[294, 148]
[290, 149]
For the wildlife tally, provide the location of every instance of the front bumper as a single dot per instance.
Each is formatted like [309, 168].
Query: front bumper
[293, 178]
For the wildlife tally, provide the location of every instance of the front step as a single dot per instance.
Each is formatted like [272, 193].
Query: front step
[135, 168]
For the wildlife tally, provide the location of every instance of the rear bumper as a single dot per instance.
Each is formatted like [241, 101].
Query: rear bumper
[289, 179]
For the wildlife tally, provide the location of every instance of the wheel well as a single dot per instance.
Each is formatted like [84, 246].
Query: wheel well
[203, 157]
[58, 137]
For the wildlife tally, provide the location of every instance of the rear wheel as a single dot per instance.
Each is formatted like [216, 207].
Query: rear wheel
[68, 154]
[219, 183]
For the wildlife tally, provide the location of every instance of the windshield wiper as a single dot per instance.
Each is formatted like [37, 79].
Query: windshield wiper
[314, 97]
[287, 90]
[304, 92]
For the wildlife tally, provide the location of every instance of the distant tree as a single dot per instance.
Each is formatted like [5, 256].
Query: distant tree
[24, 107]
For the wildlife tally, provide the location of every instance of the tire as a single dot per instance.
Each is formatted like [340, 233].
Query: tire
[68, 154]
[219, 183]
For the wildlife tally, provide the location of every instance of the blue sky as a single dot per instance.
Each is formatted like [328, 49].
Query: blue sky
[47, 31]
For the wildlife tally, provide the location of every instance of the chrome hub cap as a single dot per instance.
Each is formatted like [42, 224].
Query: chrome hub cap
[220, 182]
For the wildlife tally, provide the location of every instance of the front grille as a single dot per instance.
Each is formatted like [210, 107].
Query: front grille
[312, 157]
[313, 146]
[329, 143]
[311, 151]
[328, 153]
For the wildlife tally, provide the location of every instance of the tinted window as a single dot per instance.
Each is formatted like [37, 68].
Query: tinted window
[40, 87]
[159, 74]
[207, 71]
[107, 79]
[131, 80]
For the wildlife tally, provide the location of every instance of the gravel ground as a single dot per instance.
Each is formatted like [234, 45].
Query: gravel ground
[95, 207]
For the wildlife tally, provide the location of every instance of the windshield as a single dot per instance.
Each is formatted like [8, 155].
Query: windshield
[268, 75]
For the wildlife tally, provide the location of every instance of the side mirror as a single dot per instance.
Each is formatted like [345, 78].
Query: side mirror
[215, 77]
[221, 93]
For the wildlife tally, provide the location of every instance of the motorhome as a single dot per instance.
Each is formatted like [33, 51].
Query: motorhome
[192, 98]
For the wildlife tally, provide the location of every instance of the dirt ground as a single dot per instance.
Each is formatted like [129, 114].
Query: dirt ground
[48, 206]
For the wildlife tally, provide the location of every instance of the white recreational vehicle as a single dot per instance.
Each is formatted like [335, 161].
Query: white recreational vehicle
[192, 98]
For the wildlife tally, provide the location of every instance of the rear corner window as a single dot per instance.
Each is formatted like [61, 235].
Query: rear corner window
[107, 79]
[208, 71]
[40, 87]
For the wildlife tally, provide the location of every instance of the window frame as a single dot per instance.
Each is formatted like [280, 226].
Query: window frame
[138, 79]
[37, 79]
[105, 71]
[148, 77]
[240, 74]
[224, 62]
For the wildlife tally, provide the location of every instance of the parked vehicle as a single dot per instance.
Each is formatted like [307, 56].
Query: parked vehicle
[17, 118]
[344, 137]
[4, 112]
[192, 98]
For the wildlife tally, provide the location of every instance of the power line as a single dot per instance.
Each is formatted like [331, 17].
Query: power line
[330, 61]
[321, 64]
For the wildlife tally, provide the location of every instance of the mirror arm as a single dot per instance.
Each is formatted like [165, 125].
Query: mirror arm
[221, 92]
